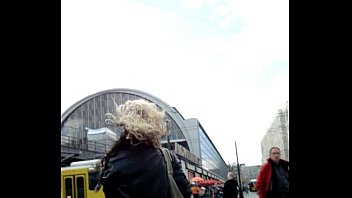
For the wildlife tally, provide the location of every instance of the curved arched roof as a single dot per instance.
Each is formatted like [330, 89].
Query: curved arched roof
[167, 108]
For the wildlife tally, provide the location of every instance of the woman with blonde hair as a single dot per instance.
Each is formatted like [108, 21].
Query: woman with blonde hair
[135, 166]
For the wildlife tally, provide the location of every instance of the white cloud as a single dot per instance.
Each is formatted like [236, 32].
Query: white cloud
[193, 3]
[229, 80]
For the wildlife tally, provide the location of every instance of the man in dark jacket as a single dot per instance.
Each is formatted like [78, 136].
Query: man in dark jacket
[272, 181]
[135, 166]
[230, 187]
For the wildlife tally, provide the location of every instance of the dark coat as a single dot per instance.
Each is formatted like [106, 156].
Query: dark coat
[230, 189]
[140, 171]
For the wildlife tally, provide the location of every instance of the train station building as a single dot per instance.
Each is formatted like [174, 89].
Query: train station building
[85, 135]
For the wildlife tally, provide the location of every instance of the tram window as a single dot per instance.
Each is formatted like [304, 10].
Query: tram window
[80, 187]
[68, 187]
[93, 179]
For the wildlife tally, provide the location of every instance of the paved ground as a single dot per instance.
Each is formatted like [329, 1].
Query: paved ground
[250, 195]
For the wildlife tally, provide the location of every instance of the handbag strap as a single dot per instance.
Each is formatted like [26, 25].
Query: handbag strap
[167, 157]
[174, 190]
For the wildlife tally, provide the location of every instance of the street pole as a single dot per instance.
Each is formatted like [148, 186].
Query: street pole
[239, 174]
[168, 142]
[168, 135]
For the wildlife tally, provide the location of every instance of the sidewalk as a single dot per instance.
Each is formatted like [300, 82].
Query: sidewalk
[250, 195]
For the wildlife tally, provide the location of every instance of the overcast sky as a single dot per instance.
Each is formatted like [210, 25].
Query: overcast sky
[224, 62]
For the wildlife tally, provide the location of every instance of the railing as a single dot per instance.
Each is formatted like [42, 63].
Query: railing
[84, 144]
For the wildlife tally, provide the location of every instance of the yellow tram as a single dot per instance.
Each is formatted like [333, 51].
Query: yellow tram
[80, 179]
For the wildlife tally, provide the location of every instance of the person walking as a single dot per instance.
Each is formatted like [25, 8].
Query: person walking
[230, 187]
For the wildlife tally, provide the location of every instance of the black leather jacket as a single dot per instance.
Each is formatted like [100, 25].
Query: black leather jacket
[140, 171]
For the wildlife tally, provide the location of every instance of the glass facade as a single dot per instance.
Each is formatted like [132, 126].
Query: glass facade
[91, 114]
[210, 157]
[174, 130]
[277, 135]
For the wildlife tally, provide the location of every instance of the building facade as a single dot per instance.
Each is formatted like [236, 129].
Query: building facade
[247, 172]
[277, 135]
[187, 138]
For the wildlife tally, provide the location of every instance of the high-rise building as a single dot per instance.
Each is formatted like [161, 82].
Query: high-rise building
[277, 135]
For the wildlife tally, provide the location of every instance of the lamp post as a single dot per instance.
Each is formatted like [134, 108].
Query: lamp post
[239, 174]
[168, 142]
[168, 135]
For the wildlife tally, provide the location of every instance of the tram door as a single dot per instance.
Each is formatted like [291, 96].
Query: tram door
[74, 186]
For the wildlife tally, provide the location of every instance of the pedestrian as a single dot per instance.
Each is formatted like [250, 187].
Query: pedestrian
[251, 186]
[217, 191]
[246, 188]
[195, 190]
[230, 187]
[273, 177]
[135, 166]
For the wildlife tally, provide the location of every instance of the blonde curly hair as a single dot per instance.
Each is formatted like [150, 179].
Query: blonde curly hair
[140, 119]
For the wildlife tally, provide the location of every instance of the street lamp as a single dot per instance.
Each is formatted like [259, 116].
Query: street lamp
[239, 174]
[168, 135]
